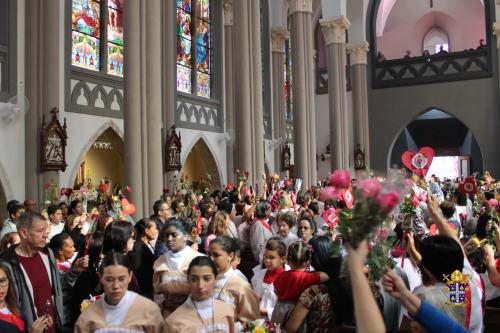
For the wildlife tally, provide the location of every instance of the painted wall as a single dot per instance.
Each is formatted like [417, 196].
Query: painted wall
[106, 163]
[409, 20]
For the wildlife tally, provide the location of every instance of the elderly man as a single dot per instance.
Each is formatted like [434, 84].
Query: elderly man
[33, 268]
[30, 205]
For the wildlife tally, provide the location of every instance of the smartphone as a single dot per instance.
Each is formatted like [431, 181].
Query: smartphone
[47, 307]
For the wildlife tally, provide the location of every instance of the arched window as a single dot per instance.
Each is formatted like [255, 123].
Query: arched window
[434, 39]
[194, 47]
[97, 35]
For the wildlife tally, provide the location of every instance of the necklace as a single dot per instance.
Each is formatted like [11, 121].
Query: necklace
[201, 318]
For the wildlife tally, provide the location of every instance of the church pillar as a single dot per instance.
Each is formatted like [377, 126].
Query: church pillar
[335, 37]
[278, 38]
[304, 118]
[142, 116]
[169, 71]
[231, 150]
[153, 97]
[248, 88]
[42, 87]
[359, 83]
[256, 95]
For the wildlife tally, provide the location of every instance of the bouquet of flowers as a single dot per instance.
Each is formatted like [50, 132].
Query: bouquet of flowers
[373, 202]
[86, 302]
[260, 326]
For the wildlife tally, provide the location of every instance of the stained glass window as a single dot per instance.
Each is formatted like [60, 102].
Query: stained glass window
[115, 37]
[194, 27]
[97, 35]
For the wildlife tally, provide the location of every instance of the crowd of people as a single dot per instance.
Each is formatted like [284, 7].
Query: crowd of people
[221, 261]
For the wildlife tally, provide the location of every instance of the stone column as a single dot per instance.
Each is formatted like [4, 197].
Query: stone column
[304, 117]
[248, 88]
[231, 151]
[153, 100]
[278, 38]
[335, 33]
[256, 96]
[359, 83]
[169, 89]
[42, 87]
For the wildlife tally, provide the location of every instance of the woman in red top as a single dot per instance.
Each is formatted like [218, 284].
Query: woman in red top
[10, 318]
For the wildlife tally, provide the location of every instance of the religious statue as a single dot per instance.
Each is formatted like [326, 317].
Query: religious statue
[53, 149]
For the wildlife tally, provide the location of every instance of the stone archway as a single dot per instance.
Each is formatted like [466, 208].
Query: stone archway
[199, 163]
[442, 131]
[103, 159]
[3, 204]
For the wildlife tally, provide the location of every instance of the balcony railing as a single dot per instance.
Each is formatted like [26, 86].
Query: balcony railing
[453, 66]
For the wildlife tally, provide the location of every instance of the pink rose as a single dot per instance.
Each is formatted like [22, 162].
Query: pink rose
[340, 179]
[382, 234]
[388, 201]
[415, 202]
[370, 188]
[330, 192]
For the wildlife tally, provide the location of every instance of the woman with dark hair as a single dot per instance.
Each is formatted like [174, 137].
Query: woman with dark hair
[10, 317]
[306, 228]
[142, 255]
[88, 281]
[104, 220]
[170, 269]
[230, 287]
[119, 237]
[64, 250]
[119, 309]
[484, 225]
[260, 230]
[201, 310]
[315, 307]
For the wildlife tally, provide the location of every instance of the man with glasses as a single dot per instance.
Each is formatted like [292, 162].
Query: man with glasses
[178, 207]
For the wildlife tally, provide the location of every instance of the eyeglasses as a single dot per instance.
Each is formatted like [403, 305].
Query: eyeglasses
[4, 281]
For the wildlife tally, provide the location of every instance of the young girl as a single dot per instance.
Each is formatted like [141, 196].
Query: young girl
[201, 312]
[290, 284]
[286, 221]
[262, 281]
[10, 318]
[119, 310]
[230, 287]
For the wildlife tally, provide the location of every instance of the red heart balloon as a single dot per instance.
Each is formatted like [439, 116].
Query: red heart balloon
[418, 162]
[127, 207]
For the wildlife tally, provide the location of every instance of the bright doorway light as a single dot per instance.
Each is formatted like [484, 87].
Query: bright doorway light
[449, 167]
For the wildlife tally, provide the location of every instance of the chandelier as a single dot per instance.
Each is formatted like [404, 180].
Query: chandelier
[103, 143]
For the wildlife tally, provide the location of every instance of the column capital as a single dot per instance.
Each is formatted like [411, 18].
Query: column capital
[358, 52]
[228, 12]
[334, 29]
[300, 6]
[278, 38]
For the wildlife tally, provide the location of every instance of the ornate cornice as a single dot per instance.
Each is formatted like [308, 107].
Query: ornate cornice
[228, 12]
[278, 38]
[358, 52]
[300, 6]
[334, 29]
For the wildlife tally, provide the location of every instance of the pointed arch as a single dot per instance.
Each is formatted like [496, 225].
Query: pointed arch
[419, 116]
[88, 145]
[201, 137]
